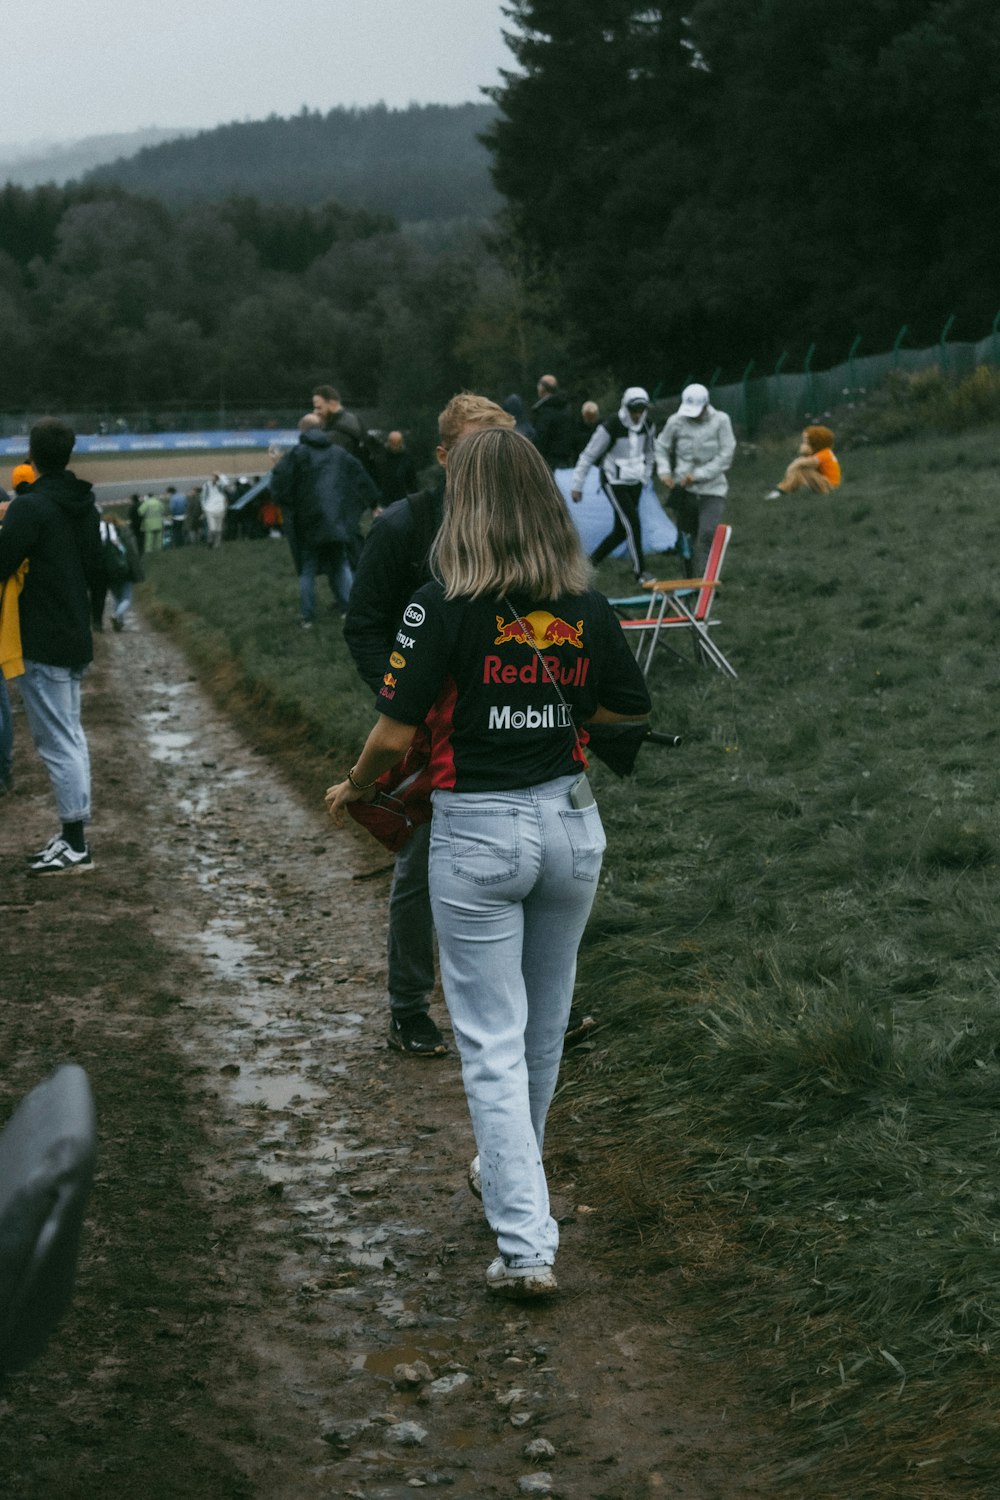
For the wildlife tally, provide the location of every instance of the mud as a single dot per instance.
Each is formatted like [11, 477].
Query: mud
[328, 1331]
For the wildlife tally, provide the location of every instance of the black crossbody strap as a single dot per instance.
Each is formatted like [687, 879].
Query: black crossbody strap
[545, 668]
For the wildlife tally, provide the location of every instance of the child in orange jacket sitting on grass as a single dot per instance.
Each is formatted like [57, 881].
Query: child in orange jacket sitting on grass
[816, 467]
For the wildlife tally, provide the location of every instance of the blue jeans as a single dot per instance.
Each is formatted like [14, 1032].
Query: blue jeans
[122, 596]
[411, 929]
[329, 558]
[51, 698]
[513, 876]
[6, 732]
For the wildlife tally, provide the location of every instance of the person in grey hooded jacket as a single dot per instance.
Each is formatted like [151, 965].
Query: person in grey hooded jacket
[693, 453]
[624, 447]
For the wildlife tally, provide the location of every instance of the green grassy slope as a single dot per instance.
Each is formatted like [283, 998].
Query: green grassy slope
[793, 954]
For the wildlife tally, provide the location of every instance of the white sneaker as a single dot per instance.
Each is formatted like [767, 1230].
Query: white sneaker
[773, 495]
[45, 850]
[62, 859]
[520, 1281]
[475, 1178]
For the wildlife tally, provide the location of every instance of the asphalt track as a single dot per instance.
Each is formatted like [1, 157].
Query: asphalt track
[117, 477]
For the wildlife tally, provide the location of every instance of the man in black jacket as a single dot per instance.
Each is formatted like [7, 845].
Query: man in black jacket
[323, 493]
[397, 472]
[552, 423]
[54, 526]
[344, 427]
[394, 563]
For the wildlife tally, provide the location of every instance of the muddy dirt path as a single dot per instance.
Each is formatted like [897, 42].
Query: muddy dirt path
[335, 1325]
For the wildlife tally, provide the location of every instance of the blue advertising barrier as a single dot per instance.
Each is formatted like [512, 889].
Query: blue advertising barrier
[164, 442]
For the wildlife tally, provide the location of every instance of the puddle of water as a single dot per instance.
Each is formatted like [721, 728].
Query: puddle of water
[382, 1362]
[194, 807]
[226, 951]
[166, 744]
[275, 1093]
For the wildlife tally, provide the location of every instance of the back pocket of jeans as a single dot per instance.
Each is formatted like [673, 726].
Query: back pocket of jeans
[484, 844]
[585, 832]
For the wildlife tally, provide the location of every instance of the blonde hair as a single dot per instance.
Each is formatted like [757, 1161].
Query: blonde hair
[506, 528]
[467, 410]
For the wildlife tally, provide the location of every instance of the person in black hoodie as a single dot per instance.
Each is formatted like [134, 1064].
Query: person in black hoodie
[394, 563]
[324, 492]
[54, 526]
[553, 435]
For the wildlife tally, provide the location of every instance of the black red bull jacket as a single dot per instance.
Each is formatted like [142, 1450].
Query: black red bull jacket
[470, 668]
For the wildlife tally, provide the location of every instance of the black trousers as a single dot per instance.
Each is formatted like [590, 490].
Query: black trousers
[625, 504]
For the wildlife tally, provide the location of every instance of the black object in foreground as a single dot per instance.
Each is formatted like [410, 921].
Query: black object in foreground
[47, 1152]
[617, 745]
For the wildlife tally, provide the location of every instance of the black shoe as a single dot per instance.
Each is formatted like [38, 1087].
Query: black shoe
[418, 1036]
[577, 1028]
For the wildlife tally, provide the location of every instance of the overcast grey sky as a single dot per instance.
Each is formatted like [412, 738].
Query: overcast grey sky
[93, 67]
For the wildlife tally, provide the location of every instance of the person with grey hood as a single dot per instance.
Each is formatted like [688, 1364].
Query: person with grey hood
[624, 447]
[693, 453]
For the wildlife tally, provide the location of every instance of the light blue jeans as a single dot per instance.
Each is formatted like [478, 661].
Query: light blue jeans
[513, 876]
[122, 596]
[51, 697]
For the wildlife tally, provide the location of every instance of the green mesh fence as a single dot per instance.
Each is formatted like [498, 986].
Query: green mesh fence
[811, 393]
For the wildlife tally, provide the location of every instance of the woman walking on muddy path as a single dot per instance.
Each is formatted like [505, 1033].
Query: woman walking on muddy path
[510, 648]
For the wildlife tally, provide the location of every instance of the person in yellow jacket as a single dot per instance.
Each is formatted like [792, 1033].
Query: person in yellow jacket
[815, 469]
[151, 518]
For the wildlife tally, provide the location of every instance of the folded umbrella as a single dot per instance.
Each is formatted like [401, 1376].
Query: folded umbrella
[617, 745]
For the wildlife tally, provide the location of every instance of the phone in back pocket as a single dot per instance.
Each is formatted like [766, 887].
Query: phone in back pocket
[580, 793]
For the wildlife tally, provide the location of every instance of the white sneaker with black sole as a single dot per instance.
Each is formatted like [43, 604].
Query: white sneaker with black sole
[45, 850]
[61, 859]
[520, 1282]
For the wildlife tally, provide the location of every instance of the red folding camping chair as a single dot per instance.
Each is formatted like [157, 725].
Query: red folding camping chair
[684, 604]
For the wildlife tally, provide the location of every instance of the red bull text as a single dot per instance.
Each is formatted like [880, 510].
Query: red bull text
[573, 675]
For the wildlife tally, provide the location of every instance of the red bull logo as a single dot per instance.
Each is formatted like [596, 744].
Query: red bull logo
[389, 680]
[517, 630]
[540, 629]
[559, 633]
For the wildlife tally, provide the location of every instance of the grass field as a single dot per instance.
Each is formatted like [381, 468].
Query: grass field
[793, 954]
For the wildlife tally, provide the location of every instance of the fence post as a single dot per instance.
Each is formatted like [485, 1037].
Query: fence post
[850, 361]
[811, 383]
[745, 382]
[943, 341]
[897, 341]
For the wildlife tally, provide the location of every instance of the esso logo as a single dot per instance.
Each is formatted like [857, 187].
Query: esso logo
[413, 615]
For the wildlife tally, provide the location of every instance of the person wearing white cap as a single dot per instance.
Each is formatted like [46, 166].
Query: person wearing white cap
[624, 447]
[693, 453]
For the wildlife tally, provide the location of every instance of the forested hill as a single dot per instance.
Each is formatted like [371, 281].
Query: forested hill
[420, 163]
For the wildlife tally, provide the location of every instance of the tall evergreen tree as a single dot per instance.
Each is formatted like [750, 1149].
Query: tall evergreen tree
[724, 178]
